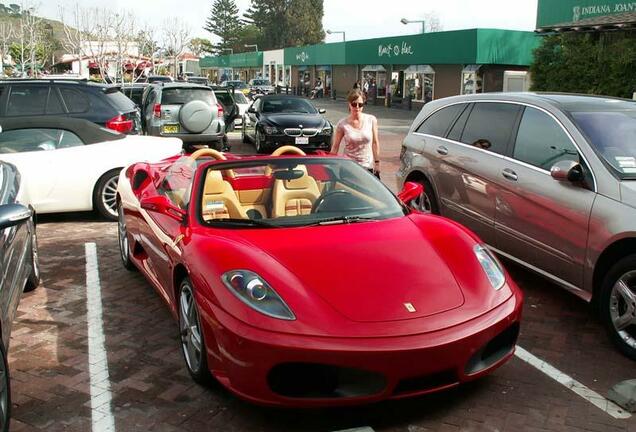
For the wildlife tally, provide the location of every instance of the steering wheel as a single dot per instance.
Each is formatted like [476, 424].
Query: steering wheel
[207, 152]
[333, 197]
[288, 149]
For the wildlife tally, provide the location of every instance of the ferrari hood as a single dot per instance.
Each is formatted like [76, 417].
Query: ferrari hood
[368, 272]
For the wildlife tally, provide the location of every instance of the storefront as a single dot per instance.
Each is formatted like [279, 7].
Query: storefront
[373, 79]
[419, 83]
[314, 66]
[243, 66]
[472, 79]
[273, 67]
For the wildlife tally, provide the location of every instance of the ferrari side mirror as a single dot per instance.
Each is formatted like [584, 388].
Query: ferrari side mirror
[161, 204]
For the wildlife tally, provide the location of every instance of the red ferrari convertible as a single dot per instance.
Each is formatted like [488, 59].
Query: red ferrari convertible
[303, 281]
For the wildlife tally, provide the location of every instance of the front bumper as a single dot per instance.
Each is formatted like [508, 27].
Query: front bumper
[273, 369]
[318, 142]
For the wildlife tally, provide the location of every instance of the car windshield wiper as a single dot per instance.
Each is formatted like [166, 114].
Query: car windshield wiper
[241, 222]
[344, 220]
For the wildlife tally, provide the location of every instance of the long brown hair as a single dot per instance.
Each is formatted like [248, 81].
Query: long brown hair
[354, 95]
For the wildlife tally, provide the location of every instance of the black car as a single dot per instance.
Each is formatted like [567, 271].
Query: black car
[20, 269]
[103, 104]
[276, 120]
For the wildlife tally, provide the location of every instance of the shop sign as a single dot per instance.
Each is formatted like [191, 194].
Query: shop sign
[394, 50]
[582, 12]
[302, 57]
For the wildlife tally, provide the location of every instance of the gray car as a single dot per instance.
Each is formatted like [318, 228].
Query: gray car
[546, 180]
[190, 112]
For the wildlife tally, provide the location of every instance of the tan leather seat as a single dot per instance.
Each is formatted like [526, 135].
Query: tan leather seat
[219, 199]
[294, 197]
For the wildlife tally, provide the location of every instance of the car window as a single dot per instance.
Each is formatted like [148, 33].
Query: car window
[119, 101]
[224, 98]
[490, 126]
[37, 139]
[542, 142]
[177, 184]
[455, 133]
[288, 105]
[76, 101]
[180, 96]
[240, 98]
[27, 100]
[438, 123]
[54, 104]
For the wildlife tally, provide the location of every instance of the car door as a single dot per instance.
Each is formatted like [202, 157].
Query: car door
[469, 161]
[52, 164]
[252, 118]
[539, 220]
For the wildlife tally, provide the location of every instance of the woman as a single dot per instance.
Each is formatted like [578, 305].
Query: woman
[359, 132]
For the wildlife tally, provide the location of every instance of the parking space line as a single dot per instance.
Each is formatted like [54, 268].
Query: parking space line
[101, 411]
[590, 395]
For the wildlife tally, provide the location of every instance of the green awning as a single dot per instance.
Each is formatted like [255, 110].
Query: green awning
[240, 60]
[552, 13]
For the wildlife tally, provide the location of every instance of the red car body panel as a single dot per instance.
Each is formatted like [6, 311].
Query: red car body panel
[350, 314]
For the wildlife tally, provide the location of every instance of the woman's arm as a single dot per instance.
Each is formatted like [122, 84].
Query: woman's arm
[337, 137]
[375, 146]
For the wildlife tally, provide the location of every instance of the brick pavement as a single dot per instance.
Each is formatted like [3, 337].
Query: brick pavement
[152, 390]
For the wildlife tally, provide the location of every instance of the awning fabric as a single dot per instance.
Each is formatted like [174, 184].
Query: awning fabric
[373, 68]
[471, 68]
[421, 69]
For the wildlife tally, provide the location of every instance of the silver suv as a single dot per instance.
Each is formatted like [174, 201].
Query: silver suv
[187, 111]
[546, 180]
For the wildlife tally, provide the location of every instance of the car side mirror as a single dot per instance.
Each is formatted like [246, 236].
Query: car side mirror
[13, 214]
[410, 191]
[161, 204]
[567, 170]
[322, 111]
[251, 110]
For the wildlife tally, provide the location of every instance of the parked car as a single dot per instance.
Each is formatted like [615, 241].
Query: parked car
[231, 110]
[237, 84]
[71, 164]
[103, 104]
[198, 80]
[134, 92]
[552, 187]
[412, 303]
[20, 269]
[276, 120]
[160, 78]
[243, 104]
[261, 86]
[187, 111]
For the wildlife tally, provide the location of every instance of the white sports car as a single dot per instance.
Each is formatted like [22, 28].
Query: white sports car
[71, 164]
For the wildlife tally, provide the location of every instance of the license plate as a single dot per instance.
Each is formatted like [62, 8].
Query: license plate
[170, 129]
[302, 140]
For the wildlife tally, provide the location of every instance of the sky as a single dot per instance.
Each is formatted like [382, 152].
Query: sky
[359, 19]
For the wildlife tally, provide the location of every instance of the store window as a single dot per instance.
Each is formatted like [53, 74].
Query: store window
[471, 79]
[375, 77]
[324, 75]
[419, 83]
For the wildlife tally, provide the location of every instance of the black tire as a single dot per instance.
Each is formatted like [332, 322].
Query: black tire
[34, 278]
[244, 137]
[105, 194]
[617, 305]
[189, 325]
[427, 201]
[5, 392]
[123, 241]
[258, 144]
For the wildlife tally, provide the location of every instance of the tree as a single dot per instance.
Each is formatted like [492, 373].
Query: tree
[200, 46]
[176, 37]
[6, 35]
[432, 22]
[224, 22]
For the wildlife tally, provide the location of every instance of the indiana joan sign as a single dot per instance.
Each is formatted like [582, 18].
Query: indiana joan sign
[582, 12]
[394, 50]
[553, 12]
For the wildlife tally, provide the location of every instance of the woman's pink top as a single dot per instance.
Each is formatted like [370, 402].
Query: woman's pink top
[357, 142]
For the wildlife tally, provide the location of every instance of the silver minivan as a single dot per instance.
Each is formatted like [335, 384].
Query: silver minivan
[546, 180]
[190, 112]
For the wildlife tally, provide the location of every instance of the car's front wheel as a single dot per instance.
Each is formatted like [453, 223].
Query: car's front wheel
[105, 194]
[34, 278]
[244, 137]
[5, 392]
[258, 143]
[124, 244]
[618, 305]
[425, 202]
[192, 342]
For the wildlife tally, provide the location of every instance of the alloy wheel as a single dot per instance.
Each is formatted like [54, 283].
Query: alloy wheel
[109, 196]
[123, 236]
[189, 324]
[4, 393]
[622, 306]
[422, 203]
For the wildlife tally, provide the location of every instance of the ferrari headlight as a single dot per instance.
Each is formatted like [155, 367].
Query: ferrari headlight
[491, 266]
[252, 290]
[270, 130]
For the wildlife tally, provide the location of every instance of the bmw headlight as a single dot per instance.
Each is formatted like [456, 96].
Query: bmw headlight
[327, 130]
[491, 266]
[270, 130]
[252, 290]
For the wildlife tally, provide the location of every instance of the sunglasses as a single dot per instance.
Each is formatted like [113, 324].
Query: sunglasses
[357, 104]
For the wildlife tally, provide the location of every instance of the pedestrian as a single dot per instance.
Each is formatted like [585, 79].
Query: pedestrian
[359, 132]
[356, 85]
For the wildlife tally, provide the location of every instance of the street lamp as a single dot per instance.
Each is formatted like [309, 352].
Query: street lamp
[405, 21]
[252, 46]
[335, 32]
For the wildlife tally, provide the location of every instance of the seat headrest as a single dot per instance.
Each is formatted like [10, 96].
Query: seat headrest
[304, 182]
[214, 183]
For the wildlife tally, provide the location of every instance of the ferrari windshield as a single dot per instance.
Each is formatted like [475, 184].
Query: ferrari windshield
[286, 192]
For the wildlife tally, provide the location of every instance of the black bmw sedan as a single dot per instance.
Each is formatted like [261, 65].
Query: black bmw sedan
[19, 269]
[276, 120]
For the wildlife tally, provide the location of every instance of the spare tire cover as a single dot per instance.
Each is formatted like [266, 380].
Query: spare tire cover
[195, 116]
